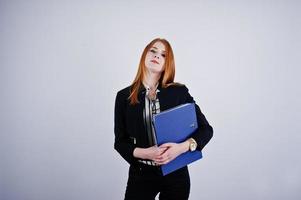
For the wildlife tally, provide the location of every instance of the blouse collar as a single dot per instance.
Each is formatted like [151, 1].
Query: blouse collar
[147, 88]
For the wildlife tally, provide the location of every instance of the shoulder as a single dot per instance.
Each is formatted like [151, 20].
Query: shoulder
[124, 91]
[123, 94]
[177, 87]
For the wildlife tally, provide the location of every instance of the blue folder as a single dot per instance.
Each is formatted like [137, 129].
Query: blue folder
[176, 125]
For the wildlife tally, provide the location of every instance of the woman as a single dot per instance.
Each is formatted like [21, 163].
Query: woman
[154, 90]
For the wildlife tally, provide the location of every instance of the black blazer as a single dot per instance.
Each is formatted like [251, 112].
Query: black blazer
[129, 128]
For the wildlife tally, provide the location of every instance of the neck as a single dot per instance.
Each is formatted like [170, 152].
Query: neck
[151, 80]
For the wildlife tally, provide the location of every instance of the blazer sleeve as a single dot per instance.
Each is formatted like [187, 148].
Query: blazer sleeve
[205, 131]
[122, 143]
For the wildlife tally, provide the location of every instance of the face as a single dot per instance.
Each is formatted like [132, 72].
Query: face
[155, 58]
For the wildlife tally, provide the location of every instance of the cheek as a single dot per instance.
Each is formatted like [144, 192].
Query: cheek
[162, 63]
[148, 57]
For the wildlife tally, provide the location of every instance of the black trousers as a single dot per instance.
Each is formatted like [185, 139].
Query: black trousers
[145, 182]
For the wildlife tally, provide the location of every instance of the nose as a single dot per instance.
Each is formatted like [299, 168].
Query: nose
[156, 56]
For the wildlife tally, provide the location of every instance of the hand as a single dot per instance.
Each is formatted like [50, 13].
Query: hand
[173, 151]
[149, 153]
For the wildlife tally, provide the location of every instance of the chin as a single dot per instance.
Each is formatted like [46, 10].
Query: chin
[154, 69]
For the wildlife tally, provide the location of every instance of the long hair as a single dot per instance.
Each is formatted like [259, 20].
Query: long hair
[167, 75]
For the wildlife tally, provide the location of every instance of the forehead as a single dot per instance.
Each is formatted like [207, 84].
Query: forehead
[159, 46]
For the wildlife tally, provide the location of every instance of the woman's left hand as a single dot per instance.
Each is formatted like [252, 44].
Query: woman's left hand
[173, 151]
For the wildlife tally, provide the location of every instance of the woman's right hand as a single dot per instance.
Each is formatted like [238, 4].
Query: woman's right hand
[150, 153]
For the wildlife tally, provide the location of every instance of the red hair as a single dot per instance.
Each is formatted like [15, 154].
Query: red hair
[167, 75]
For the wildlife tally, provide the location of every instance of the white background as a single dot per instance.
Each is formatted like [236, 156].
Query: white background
[62, 63]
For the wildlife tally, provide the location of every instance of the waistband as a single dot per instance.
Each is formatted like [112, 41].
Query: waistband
[148, 162]
[145, 168]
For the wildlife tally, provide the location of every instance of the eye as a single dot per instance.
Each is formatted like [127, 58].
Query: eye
[153, 51]
[163, 55]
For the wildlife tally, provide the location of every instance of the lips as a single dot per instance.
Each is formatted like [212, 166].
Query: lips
[154, 61]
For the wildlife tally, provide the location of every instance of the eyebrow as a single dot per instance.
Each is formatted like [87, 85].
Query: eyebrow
[157, 48]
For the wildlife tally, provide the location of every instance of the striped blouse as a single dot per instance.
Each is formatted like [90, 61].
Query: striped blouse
[151, 107]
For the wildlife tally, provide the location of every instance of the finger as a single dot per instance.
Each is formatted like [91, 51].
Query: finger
[159, 162]
[159, 152]
[163, 159]
[168, 144]
[166, 161]
[165, 145]
[166, 153]
[160, 159]
[162, 151]
[163, 162]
